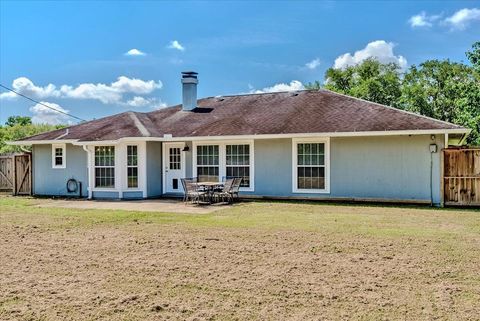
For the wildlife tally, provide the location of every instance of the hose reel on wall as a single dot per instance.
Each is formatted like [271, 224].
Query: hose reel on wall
[74, 186]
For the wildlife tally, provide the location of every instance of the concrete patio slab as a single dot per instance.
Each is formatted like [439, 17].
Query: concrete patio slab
[154, 205]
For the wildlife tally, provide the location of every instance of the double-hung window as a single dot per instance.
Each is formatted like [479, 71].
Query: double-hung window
[218, 162]
[132, 166]
[105, 166]
[238, 163]
[58, 156]
[311, 172]
[208, 163]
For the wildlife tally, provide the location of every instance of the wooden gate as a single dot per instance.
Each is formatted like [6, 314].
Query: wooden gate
[16, 174]
[461, 176]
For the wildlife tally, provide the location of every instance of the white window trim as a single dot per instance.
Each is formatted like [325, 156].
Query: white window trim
[295, 142]
[64, 155]
[127, 166]
[121, 181]
[222, 162]
[115, 166]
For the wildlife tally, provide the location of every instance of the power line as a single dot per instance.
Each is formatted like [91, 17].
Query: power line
[38, 102]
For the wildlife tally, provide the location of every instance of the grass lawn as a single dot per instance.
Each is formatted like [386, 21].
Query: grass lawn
[252, 261]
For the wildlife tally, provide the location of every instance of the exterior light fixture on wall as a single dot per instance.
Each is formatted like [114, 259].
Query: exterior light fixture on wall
[185, 149]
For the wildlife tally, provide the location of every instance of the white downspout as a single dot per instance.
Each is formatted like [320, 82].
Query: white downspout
[89, 168]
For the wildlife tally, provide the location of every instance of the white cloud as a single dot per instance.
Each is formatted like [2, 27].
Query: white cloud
[25, 86]
[313, 64]
[44, 115]
[460, 19]
[157, 104]
[136, 86]
[380, 49]
[107, 94]
[139, 101]
[176, 45]
[135, 52]
[423, 20]
[292, 86]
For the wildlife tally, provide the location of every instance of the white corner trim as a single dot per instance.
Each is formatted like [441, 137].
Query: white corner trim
[64, 156]
[326, 141]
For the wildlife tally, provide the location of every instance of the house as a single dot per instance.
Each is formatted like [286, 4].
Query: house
[305, 144]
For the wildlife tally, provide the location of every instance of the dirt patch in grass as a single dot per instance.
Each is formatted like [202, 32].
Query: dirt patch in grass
[232, 265]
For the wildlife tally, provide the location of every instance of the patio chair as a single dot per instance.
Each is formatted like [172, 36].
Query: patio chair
[237, 181]
[224, 193]
[191, 190]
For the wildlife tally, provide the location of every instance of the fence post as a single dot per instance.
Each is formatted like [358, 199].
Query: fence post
[14, 162]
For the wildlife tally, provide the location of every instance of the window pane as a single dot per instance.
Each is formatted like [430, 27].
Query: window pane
[132, 176]
[132, 156]
[238, 161]
[207, 173]
[104, 166]
[105, 177]
[175, 158]
[58, 161]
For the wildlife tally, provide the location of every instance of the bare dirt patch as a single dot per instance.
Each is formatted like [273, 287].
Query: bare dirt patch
[142, 269]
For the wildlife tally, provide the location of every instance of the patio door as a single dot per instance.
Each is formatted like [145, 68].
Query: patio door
[174, 167]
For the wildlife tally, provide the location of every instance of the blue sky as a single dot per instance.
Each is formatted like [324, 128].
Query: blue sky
[80, 48]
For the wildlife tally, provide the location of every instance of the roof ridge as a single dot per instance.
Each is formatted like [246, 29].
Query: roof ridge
[138, 123]
[393, 108]
[264, 93]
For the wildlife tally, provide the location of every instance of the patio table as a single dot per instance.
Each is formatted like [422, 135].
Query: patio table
[209, 188]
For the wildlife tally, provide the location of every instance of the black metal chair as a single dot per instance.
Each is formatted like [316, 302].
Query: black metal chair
[191, 190]
[225, 192]
[235, 190]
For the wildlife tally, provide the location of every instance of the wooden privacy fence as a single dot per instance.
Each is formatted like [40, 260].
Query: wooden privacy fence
[16, 174]
[461, 176]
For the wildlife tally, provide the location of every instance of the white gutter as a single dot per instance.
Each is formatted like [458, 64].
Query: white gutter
[40, 142]
[89, 163]
[259, 136]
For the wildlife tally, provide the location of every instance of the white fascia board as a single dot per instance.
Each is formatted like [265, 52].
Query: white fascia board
[41, 142]
[303, 135]
[465, 131]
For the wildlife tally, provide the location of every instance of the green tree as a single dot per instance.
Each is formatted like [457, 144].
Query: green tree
[446, 91]
[20, 120]
[17, 128]
[474, 56]
[370, 80]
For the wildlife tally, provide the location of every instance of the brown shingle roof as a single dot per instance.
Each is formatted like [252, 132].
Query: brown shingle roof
[309, 111]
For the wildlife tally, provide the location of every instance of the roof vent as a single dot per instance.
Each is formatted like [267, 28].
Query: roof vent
[189, 90]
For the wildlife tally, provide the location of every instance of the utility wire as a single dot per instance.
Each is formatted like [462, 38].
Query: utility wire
[36, 101]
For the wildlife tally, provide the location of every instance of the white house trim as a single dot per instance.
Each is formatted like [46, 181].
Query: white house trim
[121, 183]
[222, 166]
[164, 162]
[170, 138]
[295, 142]
[64, 156]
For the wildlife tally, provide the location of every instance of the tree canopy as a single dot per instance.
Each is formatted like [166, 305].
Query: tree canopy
[18, 127]
[370, 80]
[442, 89]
